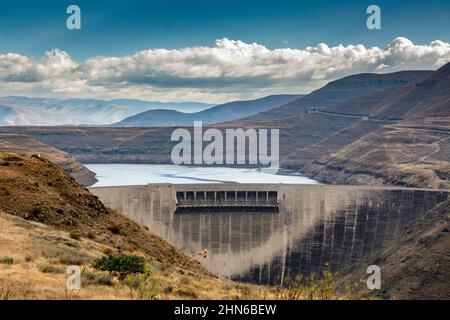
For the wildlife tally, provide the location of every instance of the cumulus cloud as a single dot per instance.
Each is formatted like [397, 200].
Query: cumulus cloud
[227, 70]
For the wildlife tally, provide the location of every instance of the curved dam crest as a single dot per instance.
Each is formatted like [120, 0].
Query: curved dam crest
[317, 225]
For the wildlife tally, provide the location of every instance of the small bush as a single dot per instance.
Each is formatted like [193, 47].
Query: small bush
[115, 229]
[106, 250]
[168, 289]
[73, 259]
[6, 260]
[28, 258]
[36, 211]
[12, 158]
[5, 294]
[186, 292]
[96, 278]
[47, 268]
[120, 264]
[185, 281]
[75, 236]
[145, 285]
[67, 256]
[315, 287]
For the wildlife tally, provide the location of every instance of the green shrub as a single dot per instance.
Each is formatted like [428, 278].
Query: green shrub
[120, 264]
[145, 285]
[6, 260]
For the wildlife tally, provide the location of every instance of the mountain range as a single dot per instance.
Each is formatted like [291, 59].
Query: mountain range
[224, 112]
[340, 91]
[128, 112]
[51, 112]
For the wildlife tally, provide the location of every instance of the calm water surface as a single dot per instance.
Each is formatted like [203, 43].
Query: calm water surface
[140, 174]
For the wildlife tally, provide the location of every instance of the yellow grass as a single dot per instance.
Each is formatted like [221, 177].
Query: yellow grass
[32, 245]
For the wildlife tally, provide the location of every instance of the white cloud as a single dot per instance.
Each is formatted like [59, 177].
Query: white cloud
[227, 70]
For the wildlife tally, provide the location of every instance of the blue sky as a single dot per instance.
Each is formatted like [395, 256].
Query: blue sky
[123, 27]
[214, 50]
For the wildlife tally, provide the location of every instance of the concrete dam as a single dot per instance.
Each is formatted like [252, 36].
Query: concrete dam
[311, 227]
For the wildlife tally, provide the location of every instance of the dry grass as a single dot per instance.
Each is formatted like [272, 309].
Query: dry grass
[41, 252]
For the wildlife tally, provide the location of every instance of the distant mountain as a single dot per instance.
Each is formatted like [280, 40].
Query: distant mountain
[341, 90]
[221, 113]
[41, 111]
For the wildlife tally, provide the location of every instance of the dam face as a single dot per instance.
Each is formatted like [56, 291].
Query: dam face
[316, 225]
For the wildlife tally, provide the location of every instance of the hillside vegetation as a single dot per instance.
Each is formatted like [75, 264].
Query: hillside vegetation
[49, 221]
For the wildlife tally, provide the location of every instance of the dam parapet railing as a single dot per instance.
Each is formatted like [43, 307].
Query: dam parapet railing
[230, 200]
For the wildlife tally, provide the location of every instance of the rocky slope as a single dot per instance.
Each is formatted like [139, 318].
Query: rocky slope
[413, 151]
[339, 91]
[391, 155]
[415, 265]
[426, 102]
[25, 145]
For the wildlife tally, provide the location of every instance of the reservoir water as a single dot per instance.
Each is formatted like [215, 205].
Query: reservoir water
[316, 226]
[140, 174]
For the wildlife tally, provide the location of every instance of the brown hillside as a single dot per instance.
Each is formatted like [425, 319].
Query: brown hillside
[394, 155]
[22, 144]
[35, 189]
[415, 265]
[339, 91]
[414, 152]
[426, 102]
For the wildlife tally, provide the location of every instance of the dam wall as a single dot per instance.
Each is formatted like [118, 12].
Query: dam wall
[316, 225]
